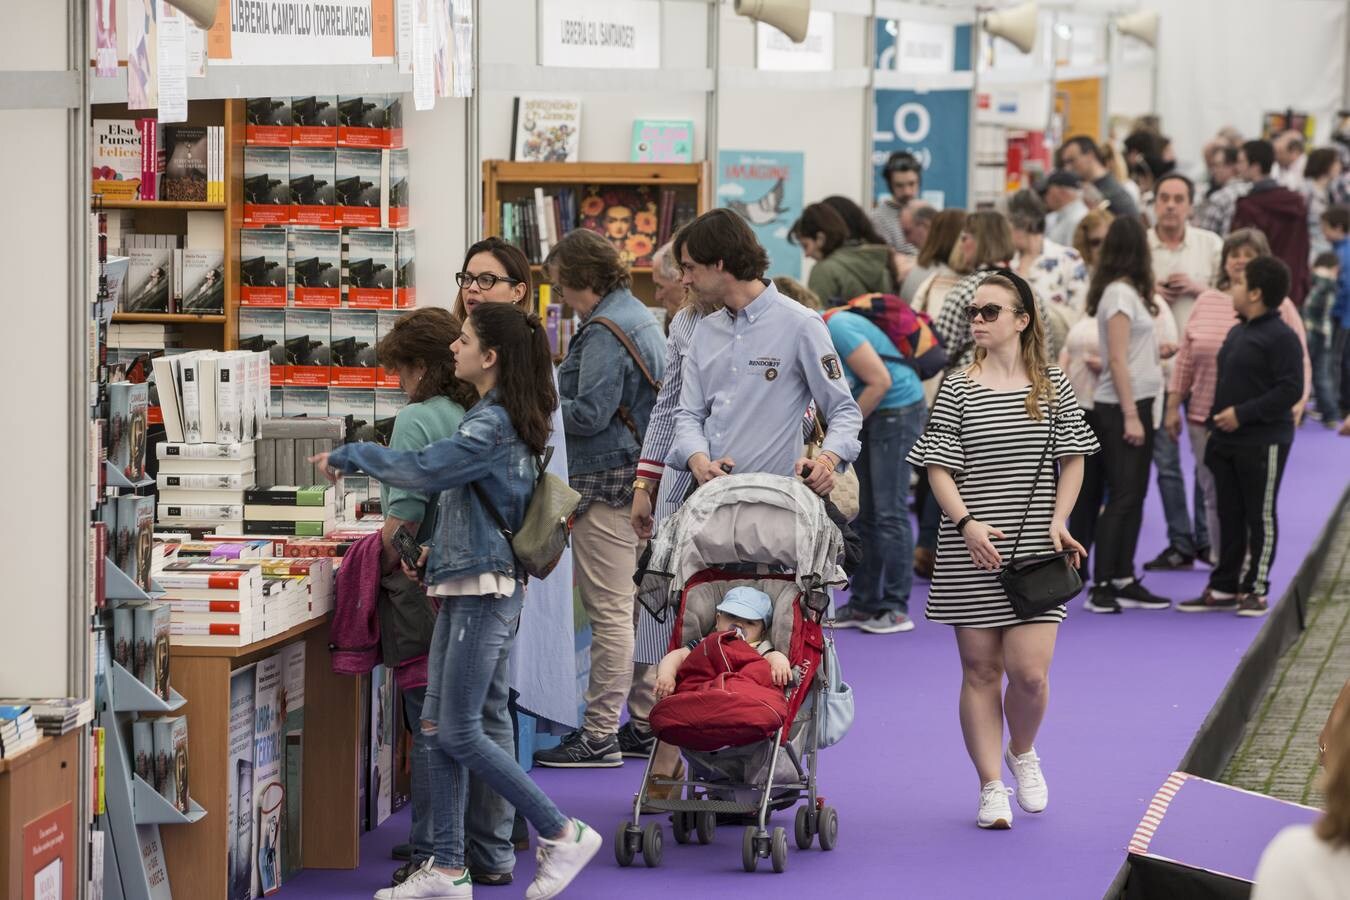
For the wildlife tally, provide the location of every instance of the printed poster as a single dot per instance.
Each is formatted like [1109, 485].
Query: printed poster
[49, 847]
[239, 823]
[935, 127]
[382, 719]
[267, 789]
[142, 55]
[293, 726]
[105, 39]
[765, 187]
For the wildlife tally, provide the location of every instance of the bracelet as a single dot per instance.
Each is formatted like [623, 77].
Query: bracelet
[961, 526]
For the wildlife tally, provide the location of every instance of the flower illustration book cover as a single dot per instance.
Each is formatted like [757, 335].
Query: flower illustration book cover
[546, 129]
[627, 217]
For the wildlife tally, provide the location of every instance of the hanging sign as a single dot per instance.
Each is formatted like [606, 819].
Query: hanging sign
[935, 127]
[597, 34]
[925, 47]
[303, 32]
[776, 51]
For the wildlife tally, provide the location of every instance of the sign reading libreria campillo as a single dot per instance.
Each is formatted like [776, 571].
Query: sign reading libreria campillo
[301, 32]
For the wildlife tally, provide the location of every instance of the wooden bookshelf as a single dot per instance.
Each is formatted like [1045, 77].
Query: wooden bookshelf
[32, 784]
[505, 181]
[214, 331]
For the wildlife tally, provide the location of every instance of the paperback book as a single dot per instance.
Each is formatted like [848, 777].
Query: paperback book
[308, 356]
[264, 331]
[267, 185]
[311, 402]
[316, 121]
[152, 647]
[115, 155]
[626, 217]
[663, 140]
[262, 268]
[143, 750]
[171, 760]
[546, 129]
[372, 258]
[371, 120]
[267, 789]
[317, 267]
[127, 426]
[385, 322]
[240, 748]
[359, 188]
[149, 279]
[313, 186]
[353, 347]
[359, 403]
[268, 121]
[186, 162]
[203, 281]
[405, 283]
[397, 195]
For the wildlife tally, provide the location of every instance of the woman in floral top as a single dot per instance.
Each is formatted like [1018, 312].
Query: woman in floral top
[1054, 271]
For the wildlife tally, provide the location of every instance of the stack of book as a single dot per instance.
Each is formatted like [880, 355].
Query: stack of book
[290, 510]
[214, 602]
[210, 397]
[122, 336]
[52, 716]
[204, 485]
[140, 643]
[18, 731]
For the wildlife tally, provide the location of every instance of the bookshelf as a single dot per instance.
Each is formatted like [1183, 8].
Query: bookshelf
[507, 181]
[209, 331]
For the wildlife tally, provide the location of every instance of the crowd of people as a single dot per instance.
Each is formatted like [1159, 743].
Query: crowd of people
[1079, 327]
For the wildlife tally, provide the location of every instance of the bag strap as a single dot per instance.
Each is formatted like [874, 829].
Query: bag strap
[1035, 482]
[541, 464]
[626, 416]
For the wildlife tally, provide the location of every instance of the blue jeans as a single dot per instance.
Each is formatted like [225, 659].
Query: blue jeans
[886, 573]
[468, 669]
[1322, 355]
[1172, 487]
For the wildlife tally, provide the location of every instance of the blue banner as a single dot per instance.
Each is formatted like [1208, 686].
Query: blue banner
[935, 127]
[765, 188]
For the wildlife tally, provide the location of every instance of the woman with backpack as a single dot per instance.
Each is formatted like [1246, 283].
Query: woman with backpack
[492, 459]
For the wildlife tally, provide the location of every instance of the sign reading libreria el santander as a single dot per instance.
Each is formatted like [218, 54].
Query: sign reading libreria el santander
[599, 34]
[303, 32]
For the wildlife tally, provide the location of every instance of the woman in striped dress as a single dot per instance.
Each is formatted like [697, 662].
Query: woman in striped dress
[991, 423]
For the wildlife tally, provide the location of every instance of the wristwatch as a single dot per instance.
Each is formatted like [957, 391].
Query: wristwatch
[642, 484]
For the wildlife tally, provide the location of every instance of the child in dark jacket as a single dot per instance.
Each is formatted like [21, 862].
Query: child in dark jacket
[1260, 380]
[1319, 322]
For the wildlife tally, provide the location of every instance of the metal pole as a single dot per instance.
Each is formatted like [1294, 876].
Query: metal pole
[973, 143]
[715, 65]
[473, 175]
[869, 105]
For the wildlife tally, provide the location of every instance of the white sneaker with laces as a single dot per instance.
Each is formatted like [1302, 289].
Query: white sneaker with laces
[995, 810]
[562, 860]
[1032, 794]
[428, 884]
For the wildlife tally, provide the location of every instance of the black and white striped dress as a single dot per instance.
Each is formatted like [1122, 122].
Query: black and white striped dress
[991, 446]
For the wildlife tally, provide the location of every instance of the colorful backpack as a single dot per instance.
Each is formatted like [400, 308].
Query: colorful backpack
[910, 331]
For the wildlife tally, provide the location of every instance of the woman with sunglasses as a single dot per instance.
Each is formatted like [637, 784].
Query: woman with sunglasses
[991, 424]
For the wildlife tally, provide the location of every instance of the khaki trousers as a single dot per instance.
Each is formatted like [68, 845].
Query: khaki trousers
[1199, 436]
[604, 557]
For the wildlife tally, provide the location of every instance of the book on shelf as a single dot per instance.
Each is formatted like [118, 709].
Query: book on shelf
[127, 428]
[313, 186]
[242, 450]
[262, 267]
[186, 163]
[316, 269]
[309, 402]
[98, 759]
[143, 336]
[361, 194]
[267, 186]
[384, 324]
[394, 175]
[149, 279]
[134, 544]
[353, 345]
[151, 650]
[315, 121]
[171, 760]
[663, 140]
[152, 158]
[263, 332]
[200, 512]
[18, 729]
[143, 750]
[405, 281]
[115, 157]
[546, 128]
[287, 528]
[355, 404]
[372, 259]
[268, 121]
[370, 120]
[203, 281]
[308, 355]
[200, 483]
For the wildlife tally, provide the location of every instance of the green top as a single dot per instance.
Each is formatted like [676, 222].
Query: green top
[416, 426]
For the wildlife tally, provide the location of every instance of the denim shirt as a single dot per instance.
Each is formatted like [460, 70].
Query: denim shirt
[486, 450]
[598, 376]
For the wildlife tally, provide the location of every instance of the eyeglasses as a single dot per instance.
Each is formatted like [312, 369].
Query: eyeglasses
[989, 312]
[486, 281]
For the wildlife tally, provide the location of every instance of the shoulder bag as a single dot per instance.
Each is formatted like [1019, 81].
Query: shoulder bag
[1037, 584]
[549, 517]
[846, 494]
[624, 414]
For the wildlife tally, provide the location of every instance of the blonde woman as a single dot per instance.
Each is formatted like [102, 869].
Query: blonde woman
[985, 480]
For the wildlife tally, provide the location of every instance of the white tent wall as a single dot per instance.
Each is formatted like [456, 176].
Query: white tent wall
[437, 156]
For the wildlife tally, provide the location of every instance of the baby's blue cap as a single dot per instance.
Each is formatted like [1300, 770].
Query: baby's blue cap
[748, 603]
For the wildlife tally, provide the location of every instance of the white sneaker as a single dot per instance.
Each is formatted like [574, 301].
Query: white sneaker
[428, 884]
[995, 811]
[1032, 794]
[562, 860]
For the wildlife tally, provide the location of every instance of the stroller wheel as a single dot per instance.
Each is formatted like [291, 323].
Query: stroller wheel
[802, 828]
[706, 823]
[623, 845]
[778, 849]
[679, 823]
[651, 845]
[828, 828]
[750, 848]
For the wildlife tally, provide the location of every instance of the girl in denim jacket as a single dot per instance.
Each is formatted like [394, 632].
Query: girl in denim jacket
[503, 352]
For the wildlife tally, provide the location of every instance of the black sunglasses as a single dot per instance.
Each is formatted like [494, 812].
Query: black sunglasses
[486, 282]
[989, 312]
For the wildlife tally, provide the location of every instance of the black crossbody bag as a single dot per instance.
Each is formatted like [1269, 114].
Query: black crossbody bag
[1037, 584]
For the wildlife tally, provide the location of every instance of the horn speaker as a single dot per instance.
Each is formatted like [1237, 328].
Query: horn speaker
[1017, 25]
[788, 16]
[1142, 25]
[201, 12]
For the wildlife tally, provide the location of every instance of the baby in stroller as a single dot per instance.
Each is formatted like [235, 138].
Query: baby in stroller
[745, 612]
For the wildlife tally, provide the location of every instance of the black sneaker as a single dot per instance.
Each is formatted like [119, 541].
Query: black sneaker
[1207, 602]
[403, 872]
[1101, 600]
[1135, 596]
[1202, 555]
[1252, 605]
[491, 879]
[636, 742]
[402, 852]
[580, 750]
[1170, 560]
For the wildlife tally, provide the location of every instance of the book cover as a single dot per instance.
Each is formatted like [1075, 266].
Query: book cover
[359, 193]
[149, 279]
[264, 331]
[405, 282]
[135, 525]
[123, 636]
[663, 140]
[317, 267]
[385, 322]
[372, 120]
[382, 718]
[397, 194]
[387, 404]
[152, 159]
[262, 268]
[267, 185]
[115, 157]
[546, 129]
[143, 750]
[624, 216]
[203, 281]
[316, 121]
[372, 257]
[267, 789]
[99, 757]
[359, 403]
[185, 163]
[311, 402]
[765, 189]
[268, 121]
[230, 396]
[171, 760]
[151, 622]
[162, 740]
[313, 186]
[293, 727]
[353, 347]
[308, 354]
[240, 747]
[127, 425]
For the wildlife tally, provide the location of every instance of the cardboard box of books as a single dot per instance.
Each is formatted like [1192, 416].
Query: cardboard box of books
[264, 331]
[267, 185]
[268, 121]
[359, 188]
[316, 267]
[262, 267]
[311, 402]
[185, 163]
[372, 120]
[115, 156]
[372, 258]
[203, 281]
[308, 354]
[313, 190]
[316, 121]
[385, 324]
[398, 188]
[406, 279]
[149, 279]
[353, 348]
[127, 425]
[359, 403]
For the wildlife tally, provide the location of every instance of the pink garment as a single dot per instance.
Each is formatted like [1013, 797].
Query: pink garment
[412, 673]
[354, 637]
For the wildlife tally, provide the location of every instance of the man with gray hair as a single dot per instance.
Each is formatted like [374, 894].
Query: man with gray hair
[670, 293]
[1290, 159]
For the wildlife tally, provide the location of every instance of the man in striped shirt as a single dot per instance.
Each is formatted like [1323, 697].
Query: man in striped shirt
[904, 177]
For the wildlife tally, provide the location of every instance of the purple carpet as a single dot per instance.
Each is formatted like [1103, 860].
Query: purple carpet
[1129, 693]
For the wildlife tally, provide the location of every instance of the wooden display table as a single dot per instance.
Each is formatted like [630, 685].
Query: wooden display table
[33, 784]
[197, 854]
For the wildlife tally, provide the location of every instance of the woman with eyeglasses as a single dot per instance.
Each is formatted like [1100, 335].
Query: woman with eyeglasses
[493, 272]
[996, 426]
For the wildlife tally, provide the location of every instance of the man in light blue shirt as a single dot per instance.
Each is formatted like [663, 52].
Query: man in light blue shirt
[754, 367]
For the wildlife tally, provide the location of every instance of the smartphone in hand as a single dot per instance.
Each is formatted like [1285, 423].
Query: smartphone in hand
[407, 548]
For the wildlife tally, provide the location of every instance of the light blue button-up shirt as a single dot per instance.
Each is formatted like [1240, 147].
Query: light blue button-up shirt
[748, 380]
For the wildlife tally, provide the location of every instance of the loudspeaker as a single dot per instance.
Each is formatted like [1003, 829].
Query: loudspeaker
[1142, 25]
[1017, 25]
[788, 16]
[201, 12]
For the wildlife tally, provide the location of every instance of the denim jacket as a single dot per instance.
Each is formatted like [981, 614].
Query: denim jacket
[486, 450]
[598, 376]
